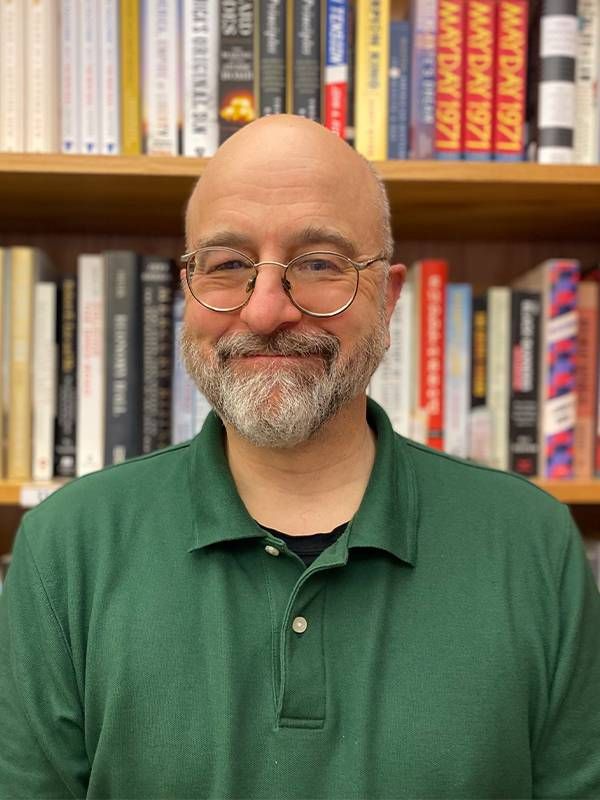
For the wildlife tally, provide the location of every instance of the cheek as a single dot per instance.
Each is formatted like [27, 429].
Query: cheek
[205, 325]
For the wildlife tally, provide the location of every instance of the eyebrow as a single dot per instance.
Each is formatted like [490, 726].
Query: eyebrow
[309, 235]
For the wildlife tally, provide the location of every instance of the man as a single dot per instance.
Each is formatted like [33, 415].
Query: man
[298, 603]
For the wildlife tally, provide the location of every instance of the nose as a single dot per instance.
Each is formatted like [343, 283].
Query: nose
[269, 307]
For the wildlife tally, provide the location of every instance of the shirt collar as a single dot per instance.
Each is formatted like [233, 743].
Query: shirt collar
[386, 518]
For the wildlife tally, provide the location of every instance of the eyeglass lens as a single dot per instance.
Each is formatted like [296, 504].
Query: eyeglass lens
[319, 282]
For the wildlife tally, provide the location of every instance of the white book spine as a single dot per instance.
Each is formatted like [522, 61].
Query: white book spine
[41, 76]
[160, 91]
[499, 373]
[89, 106]
[44, 380]
[457, 369]
[12, 76]
[109, 78]
[70, 76]
[586, 76]
[201, 77]
[182, 386]
[90, 363]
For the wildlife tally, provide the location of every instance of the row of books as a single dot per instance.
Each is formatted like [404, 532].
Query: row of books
[510, 378]
[440, 79]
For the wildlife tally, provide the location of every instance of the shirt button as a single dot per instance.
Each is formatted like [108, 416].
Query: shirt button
[299, 625]
[272, 551]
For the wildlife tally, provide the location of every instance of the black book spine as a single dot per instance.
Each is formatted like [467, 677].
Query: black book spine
[271, 56]
[305, 96]
[237, 102]
[123, 415]
[66, 416]
[524, 393]
[479, 352]
[157, 352]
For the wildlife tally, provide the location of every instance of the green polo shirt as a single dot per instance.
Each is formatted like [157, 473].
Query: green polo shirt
[155, 642]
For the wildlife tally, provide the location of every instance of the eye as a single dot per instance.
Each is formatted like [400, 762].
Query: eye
[230, 265]
[318, 264]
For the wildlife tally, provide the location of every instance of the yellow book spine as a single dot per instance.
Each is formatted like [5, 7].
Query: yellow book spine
[131, 113]
[372, 67]
[21, 345]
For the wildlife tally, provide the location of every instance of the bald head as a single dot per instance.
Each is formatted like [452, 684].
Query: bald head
[290, 159]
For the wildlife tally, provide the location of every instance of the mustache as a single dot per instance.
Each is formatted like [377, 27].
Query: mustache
[281, 343]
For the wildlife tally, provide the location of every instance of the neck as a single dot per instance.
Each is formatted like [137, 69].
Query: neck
[310, 488]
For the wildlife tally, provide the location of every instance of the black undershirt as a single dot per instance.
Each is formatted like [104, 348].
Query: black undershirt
[310, 546]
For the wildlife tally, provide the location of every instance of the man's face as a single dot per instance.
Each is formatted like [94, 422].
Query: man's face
[273, 373]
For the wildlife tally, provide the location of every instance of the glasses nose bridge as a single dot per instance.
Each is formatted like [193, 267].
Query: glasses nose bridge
[258, 264]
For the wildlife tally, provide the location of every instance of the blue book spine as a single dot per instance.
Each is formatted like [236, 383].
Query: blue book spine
[399, 89]
[423, 73]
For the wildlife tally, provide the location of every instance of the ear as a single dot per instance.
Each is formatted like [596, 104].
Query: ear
[182, 278]
[395, 282]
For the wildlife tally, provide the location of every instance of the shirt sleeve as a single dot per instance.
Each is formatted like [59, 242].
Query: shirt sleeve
[566, 762]
[42, 746]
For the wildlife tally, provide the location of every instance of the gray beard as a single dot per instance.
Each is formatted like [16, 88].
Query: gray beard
[283, 405]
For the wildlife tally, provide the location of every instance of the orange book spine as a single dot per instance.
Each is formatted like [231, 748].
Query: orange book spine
[586, 360]
[479, 80]
[434, 277]
[449, 79]
[510, 78]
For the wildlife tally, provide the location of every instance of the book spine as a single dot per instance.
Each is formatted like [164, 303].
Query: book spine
[161, 86]
[449, 80]
[110, 129]
[480, 429]
[499, 301]
[478, 112]
[304, 94]
[556, 88]
[12, 76]
[157, 352]
[432, 302]
[271, 41]
[182, 386]
[91, 363]
[399, 89]
[90, 78]
[335, 77]
[423, 72]
[123, 334]
[4, 358]
[21, 346]
[201, 77]
[457, 373]
[372, 68]
[41, 73]
[44, 381]
[585, 141]
[510, 79]
[130, 79]
[524, 387]
[69, 76]
[66, 417]
[597, 435]
[351, 44]
[558, 359]
[586, 364]
[237, 98]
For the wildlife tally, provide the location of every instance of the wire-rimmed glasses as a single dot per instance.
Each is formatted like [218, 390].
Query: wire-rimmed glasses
[319, 283]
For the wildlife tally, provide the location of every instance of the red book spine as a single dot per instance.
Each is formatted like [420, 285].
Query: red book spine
[449, 79]
[479, 80]
[511, 76]
[434, 277]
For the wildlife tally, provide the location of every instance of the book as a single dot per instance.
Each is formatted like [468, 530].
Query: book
[44, 381]
[183, 388]
[122, 325]
[556, 280]
[89, 102]
[478, 114]
[130, 78]
[508, 131]
[70, 88]
[423, 74]
[351, 44]
[161, 72]
[272, 39]
[585, 140]
[586, 378]
[524, 382]
[41, 76]
[457, 369]
[157, 351]
[110, 118]
[91, 363]
[237, 100]
[371, 89]
[200, 31]
[335, 68]
[498, 358]
[449, 79]
[12, 76]
[4, 352]
[480, 421]
[556, 88]
[304, 63]
[399, 89]
[66, 414]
